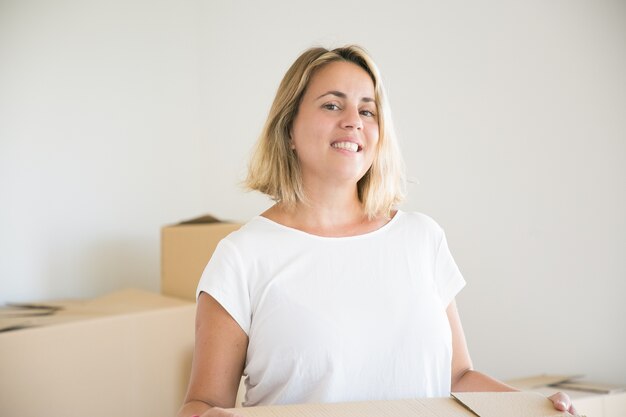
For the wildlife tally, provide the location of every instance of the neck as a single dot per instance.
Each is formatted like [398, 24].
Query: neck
[330, 207]
[331, 214]
[328, 216]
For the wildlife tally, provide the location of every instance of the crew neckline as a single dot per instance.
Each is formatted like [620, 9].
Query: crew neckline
[334, 238]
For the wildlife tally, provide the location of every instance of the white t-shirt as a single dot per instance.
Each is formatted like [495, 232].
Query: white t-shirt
[335, 319]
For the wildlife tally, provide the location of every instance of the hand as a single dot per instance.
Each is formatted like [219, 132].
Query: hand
[562, 402]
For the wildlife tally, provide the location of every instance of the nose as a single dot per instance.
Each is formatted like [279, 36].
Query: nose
[352, 119]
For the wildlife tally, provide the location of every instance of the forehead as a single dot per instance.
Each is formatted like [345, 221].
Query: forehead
[346, 77]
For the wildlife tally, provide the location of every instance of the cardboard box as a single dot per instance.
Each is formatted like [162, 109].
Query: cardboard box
[186, 249]
[482, 404]
[591, 399]
[125, 354]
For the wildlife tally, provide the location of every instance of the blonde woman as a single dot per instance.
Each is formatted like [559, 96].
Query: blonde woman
[332, 294]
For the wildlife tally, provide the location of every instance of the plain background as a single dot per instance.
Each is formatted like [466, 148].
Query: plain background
[119, 117]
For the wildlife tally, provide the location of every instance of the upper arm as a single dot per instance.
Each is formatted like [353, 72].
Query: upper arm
[219, 355]
[461, 361]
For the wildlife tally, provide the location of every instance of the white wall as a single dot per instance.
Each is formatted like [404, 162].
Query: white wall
[119, 117]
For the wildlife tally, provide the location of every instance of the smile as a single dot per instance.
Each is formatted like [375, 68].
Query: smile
[349, 146]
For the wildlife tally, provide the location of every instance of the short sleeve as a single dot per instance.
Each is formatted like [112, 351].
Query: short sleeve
[448, 278]
[224, 278]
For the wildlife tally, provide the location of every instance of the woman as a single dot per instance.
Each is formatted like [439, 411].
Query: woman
[332, 294]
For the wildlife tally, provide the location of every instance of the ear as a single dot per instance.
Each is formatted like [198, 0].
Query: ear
[292, 145]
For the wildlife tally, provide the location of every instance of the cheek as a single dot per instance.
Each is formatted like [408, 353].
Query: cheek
[372, 137]
[373, 134]
[303, 129]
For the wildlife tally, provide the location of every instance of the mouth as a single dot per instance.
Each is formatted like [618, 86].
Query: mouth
[347, 145]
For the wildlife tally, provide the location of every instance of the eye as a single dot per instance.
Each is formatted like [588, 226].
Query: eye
[368, 113]
[330, 106]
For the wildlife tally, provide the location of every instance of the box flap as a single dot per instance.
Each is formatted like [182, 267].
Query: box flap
[514, 404]
[205, 219]
[27, 310]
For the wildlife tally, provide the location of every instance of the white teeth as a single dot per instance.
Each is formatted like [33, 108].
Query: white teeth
[350, 146]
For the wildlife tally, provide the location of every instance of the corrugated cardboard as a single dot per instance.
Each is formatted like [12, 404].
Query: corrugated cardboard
[186, 249]
[593, 400]
[125, 354]
[493, 404]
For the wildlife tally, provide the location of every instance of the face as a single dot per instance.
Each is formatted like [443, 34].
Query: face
[335, 131]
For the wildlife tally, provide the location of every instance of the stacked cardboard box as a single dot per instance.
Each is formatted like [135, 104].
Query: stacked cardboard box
[186, 249]
[127, 353]
[124, 354]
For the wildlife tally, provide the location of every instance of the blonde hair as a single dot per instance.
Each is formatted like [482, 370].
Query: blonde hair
[274, 168]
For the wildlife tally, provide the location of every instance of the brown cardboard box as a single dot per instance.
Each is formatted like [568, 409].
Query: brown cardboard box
[591, 399]
[482, 404]
[125, 354]
[185, 250]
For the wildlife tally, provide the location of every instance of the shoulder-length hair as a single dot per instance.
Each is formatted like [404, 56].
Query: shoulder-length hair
[274, 168]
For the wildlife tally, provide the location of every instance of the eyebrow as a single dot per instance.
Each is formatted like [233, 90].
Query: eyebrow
[343, 95]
